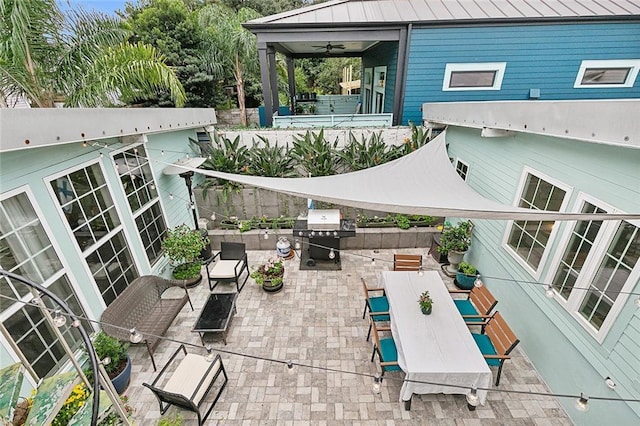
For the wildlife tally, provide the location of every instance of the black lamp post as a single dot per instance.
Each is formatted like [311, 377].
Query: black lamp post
[181, 168]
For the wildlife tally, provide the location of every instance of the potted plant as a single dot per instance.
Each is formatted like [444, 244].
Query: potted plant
[426, 303]
[116, 353]
[465, 276]
[183, 246]
[455, 241]
[270, 275]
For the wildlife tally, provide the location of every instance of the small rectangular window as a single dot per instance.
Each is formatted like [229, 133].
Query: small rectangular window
[462, 169]
[474, 76]
[609, 73]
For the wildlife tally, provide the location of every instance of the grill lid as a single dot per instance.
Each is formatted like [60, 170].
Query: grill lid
[323, 219]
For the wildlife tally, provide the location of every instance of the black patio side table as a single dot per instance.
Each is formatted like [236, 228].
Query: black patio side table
[216, 314]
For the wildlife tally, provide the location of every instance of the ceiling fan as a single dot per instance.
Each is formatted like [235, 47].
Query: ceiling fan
[329, 47]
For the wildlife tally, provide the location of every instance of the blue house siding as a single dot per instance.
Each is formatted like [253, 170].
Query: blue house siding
[545, 57]
[567, 356]
[384, 54]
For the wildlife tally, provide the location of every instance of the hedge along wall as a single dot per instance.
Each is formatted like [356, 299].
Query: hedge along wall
[391, 135]
[250, 202]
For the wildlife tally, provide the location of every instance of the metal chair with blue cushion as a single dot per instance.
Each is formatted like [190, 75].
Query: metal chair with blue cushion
[496, 342]
[378, 306]
[386, 349]
[476, 308]
[229, 264]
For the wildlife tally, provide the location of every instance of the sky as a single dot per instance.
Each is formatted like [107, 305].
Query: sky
[105, 6]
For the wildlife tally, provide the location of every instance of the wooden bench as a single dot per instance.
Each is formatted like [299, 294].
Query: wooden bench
[496, 343]
[149, 304]
[407, 262]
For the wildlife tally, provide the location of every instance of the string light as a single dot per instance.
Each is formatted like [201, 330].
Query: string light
[478, 282]
[332, 254]
[290, 366]
[213, 216]
[420, 271]
[135, 336]
[549, 292]
[162, 152]
[472, 398]
[171, 196]
[75, 323]
[582, 404]
[101, 155]
[377, 384]
[105, 361]
[266, 235]
[193, 206]
[58, 319]
[210, 355]
[297, 245]
[637, 301]
[373, 261]
[610, 383]
[84, 144]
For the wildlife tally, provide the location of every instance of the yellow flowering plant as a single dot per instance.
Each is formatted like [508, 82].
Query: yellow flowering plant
[76, 400]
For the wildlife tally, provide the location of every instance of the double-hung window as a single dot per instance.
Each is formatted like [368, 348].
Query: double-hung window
[598, 267]
[473, 76]
[139, 186]
[26, 250]
[86, 203]
[607, 74]
[527, 240]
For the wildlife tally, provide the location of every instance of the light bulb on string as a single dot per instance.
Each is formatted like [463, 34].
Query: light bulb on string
[290, 367]
[152, 186]
[582, 403]
[478, 281]
[75, 323]
[266, 235]
[171, 196]
[420, 271]
[373, 261]
[213, 216]
[58, 319]
[637, 301]
[210, 355]
[472, 399]
[162, 152]
[549, 292]
[332, 254]
[135, 336]
[101, 155]
[36, 299]
[297, 245]
[192, 205]
[377, 384]
[84, 144]
[105, 361]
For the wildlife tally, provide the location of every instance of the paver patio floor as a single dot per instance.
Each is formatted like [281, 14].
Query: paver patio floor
[317, 320]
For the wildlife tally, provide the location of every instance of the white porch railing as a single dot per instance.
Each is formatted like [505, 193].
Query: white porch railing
[339, 120]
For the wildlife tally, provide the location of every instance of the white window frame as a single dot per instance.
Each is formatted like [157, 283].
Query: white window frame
[535, 273]
[464, 163]
[143, 208]
[64, 271]
[498, 67]
[591, 265]
[83, 254]
[632, 64]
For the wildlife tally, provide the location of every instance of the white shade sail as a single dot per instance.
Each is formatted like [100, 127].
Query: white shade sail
[423, 182]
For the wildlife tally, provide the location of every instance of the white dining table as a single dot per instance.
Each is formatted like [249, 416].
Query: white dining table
[433, 350]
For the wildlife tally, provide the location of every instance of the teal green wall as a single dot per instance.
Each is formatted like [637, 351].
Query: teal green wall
[33, 167]
[384, 54]
[569, 359]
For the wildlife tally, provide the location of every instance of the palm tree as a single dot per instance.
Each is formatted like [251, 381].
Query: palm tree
[231, 47]
[80, 57]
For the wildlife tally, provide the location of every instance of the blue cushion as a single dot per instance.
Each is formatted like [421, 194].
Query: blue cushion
[379, 304]
[466, 308]
[389, 353]
[486, 348]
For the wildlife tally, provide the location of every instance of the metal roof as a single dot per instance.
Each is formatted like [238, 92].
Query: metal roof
[440, 11]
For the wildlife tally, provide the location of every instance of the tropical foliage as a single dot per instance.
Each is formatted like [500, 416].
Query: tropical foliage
[231, 46]
[173, 29]
[79, 58]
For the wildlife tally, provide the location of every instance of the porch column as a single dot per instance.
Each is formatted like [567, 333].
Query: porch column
[291, 76]
[273, 79]
[266, 86]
